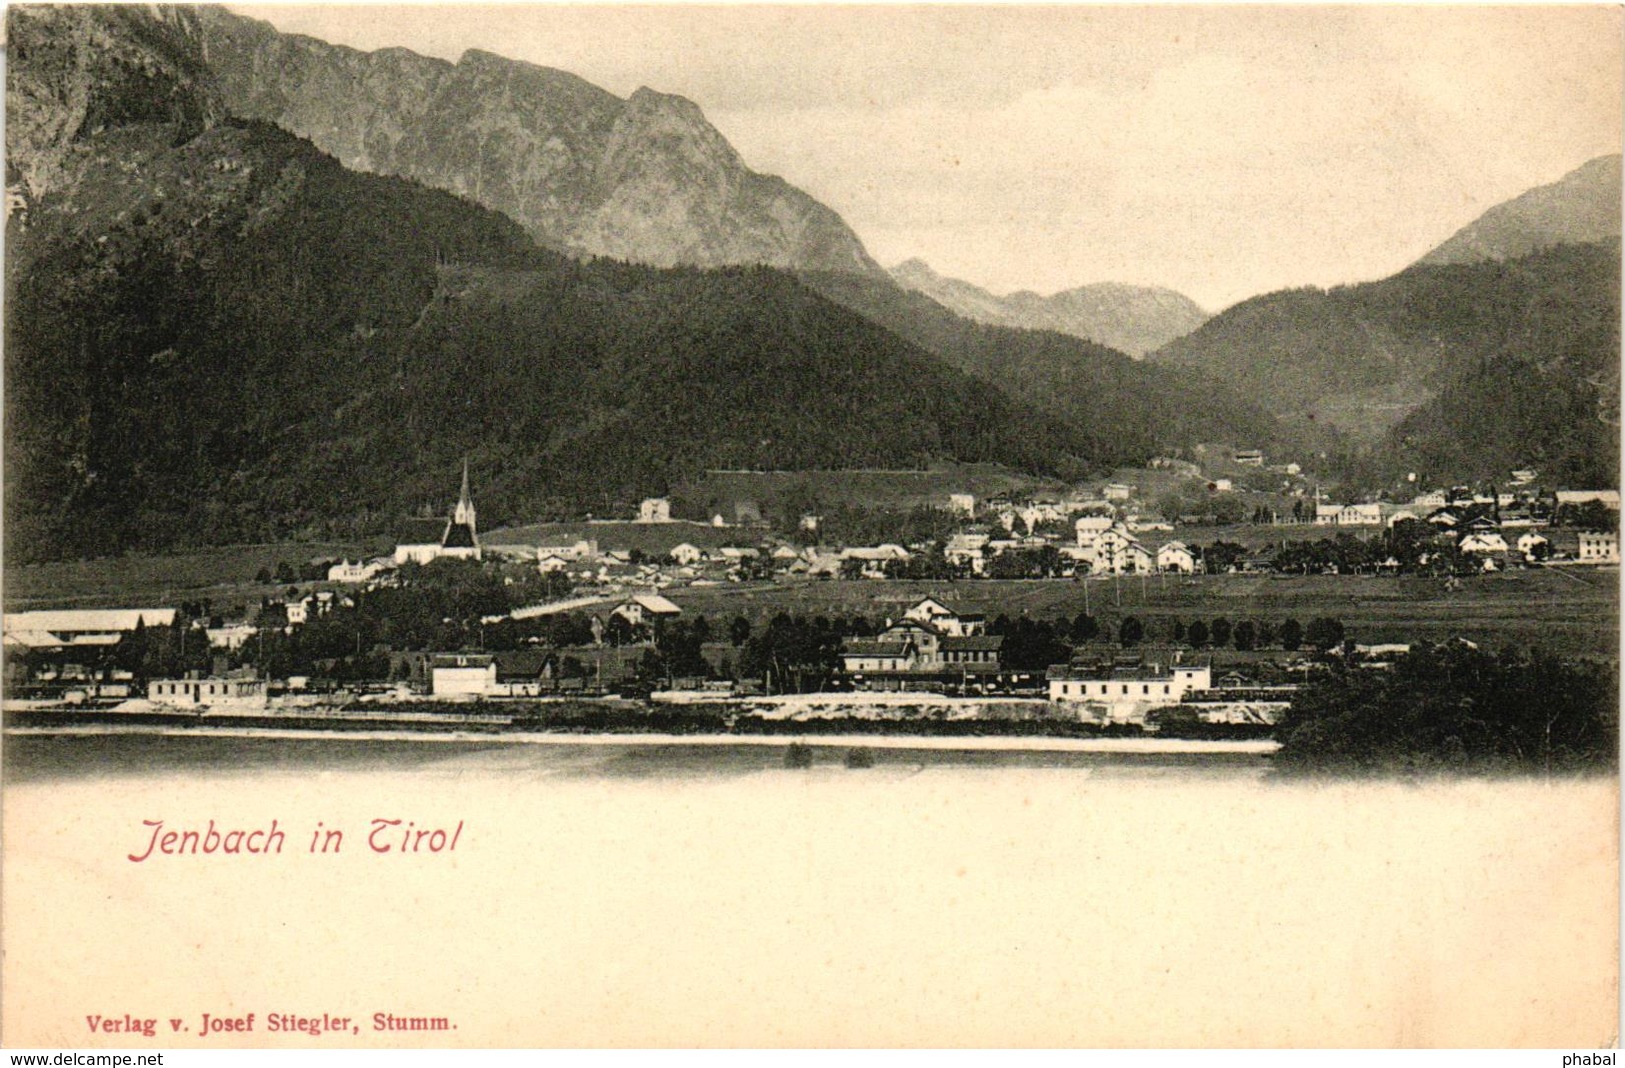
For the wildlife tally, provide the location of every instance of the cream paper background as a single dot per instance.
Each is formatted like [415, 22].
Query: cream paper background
[890, 906]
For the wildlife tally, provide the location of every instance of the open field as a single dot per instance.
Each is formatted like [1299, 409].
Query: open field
[224, 576]
[1574, 611]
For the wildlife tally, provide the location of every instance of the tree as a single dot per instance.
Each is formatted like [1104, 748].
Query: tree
[1222, 556]
[1220, 631]
[1291, 635]
[618, 631]
[1178, 633]
[1197, 634]
[1324, 633]
[1130, 631]
[739, 630]
[1084, 629]
[1246, 636]
[286, 573]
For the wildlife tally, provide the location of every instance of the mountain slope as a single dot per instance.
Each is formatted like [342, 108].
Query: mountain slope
[1131, 319]
[1126, 410]
[1363, 356]
[646, 179]
[1458, 370]
[1583, 205]
[235, 339]
[216, 333]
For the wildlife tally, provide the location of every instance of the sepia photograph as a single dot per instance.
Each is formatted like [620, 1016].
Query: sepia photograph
[812, 526]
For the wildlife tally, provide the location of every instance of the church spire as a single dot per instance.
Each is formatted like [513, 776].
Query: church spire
[464, 515]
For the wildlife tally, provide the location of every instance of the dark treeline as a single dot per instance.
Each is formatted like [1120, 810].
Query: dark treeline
[1455, 708]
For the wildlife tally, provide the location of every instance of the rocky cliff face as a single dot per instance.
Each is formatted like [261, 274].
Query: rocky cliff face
[645, 179]
[77, 71]
[1131, 319]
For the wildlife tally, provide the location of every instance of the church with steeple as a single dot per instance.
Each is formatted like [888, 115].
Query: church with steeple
[456, 536]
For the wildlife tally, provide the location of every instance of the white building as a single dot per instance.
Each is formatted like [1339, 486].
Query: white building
[68, 624]
[1482, 541]
[360, 571]
[579, 549]
[686, 554]
[463, 675]
[967, 550]
[243, 691]
[1529, 544]
[1599, 547]
[645, 608]
[1117, 491]
[654, 510]
[1175, 556]
[1089, 527]
[231, 636]
[934, 613]
[962, 504]
[1125, 693]
[1117, 552]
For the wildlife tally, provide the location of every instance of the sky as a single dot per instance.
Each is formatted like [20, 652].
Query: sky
[1219, 151]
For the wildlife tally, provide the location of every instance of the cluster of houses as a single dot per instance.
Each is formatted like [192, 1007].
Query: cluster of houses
[1105, 538]
[930, 647]
[1497, 530]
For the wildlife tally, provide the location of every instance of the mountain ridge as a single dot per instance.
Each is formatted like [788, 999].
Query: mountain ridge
[1581, 206]
[1128, 318]
[647, 179]
[216, 333]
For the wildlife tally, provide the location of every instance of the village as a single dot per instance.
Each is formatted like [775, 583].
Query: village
[587, 610]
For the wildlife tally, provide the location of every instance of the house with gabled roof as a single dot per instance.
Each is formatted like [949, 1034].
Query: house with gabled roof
[645, 608]
[1175, 556]
[934, 613]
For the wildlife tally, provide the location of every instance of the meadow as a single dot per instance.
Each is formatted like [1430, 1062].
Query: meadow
[1572, 611]
[225, 576]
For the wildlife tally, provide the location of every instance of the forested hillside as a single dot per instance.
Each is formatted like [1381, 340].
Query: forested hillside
[1125, 409]
[1467, 369]
[236, 339]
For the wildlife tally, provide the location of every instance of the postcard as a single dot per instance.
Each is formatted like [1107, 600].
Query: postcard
[811, 526]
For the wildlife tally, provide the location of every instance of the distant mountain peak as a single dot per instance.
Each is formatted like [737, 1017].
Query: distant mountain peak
[1129, 318]
[1581, 206]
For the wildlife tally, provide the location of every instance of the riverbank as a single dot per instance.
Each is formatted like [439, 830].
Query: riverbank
[1143, 745]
